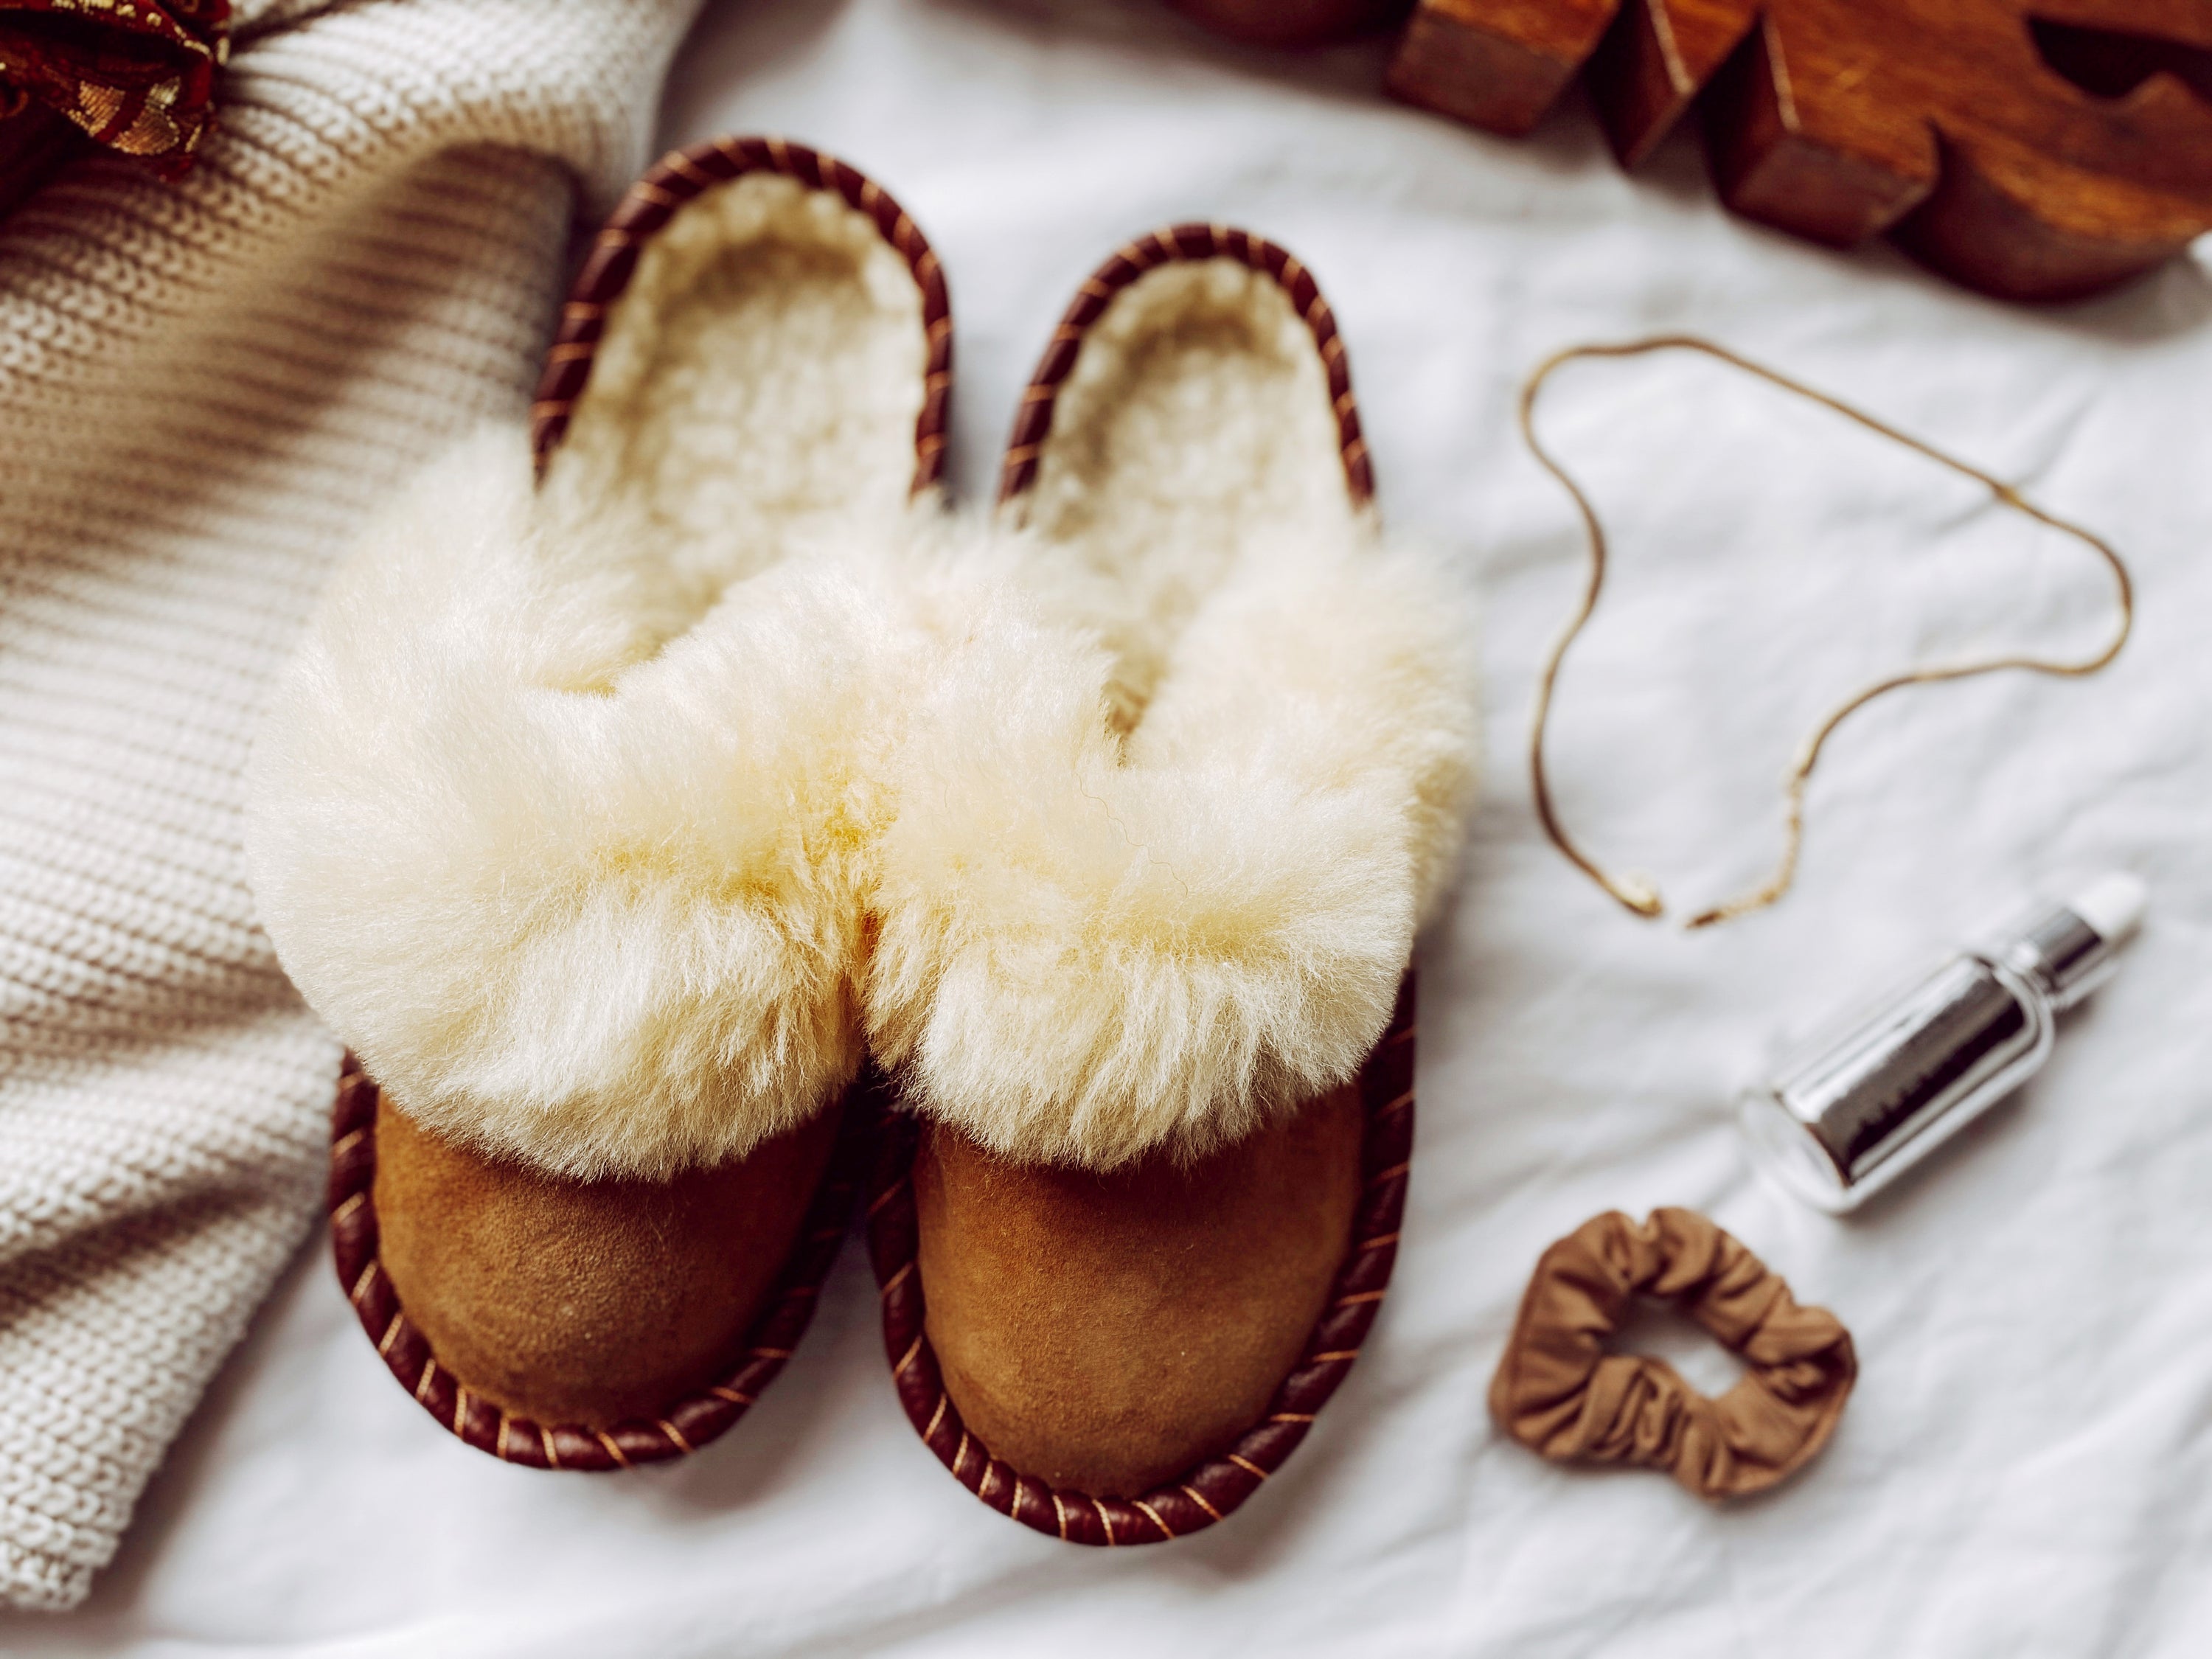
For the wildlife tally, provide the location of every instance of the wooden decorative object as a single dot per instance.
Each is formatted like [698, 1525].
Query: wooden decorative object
[2034, 150]
[1293, 22]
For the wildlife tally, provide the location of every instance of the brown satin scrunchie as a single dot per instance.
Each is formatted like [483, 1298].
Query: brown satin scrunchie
[1559, 1393]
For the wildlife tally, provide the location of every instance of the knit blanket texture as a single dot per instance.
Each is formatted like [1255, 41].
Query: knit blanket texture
[203, 386]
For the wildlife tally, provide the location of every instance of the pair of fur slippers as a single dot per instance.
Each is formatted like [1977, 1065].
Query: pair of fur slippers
[688, 824]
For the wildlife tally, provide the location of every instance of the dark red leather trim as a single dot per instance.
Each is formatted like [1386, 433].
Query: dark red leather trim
[1208, 1493]
[649, 206]
[686, 1424]
[1033, 421]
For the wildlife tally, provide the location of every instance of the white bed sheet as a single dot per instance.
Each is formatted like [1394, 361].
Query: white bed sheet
[2026, 1466]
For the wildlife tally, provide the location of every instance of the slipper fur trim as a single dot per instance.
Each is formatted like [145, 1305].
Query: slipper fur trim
[1161, 848]
[559, 814]
[593, 909]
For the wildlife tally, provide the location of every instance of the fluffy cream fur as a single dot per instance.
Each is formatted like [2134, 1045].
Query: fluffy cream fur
[561, 815]
[1175, 797]
[580, 806]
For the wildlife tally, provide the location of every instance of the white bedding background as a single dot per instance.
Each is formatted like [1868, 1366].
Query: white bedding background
[2026, 1468]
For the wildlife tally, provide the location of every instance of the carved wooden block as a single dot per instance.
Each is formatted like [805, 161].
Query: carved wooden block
[2036, 149]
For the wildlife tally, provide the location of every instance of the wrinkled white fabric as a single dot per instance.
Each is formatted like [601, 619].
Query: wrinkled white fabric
[201, 389]
[2026, 1468]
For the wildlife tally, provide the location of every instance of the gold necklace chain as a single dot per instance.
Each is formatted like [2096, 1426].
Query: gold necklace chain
[1639, 896]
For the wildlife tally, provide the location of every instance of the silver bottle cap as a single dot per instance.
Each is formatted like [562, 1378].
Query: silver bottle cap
[2071, 951]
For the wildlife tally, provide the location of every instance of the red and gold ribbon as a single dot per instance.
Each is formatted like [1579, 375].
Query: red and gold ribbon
[137, 76]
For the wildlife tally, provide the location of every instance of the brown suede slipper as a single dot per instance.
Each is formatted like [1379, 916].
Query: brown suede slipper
[650, 1278]
[1117, 1289]
[1148, 1358]
[567, 1280]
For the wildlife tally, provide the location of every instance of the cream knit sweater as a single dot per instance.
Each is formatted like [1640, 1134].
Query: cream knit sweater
[202, 387]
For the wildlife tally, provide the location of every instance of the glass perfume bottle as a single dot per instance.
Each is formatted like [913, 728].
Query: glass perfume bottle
[1849, 1112]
